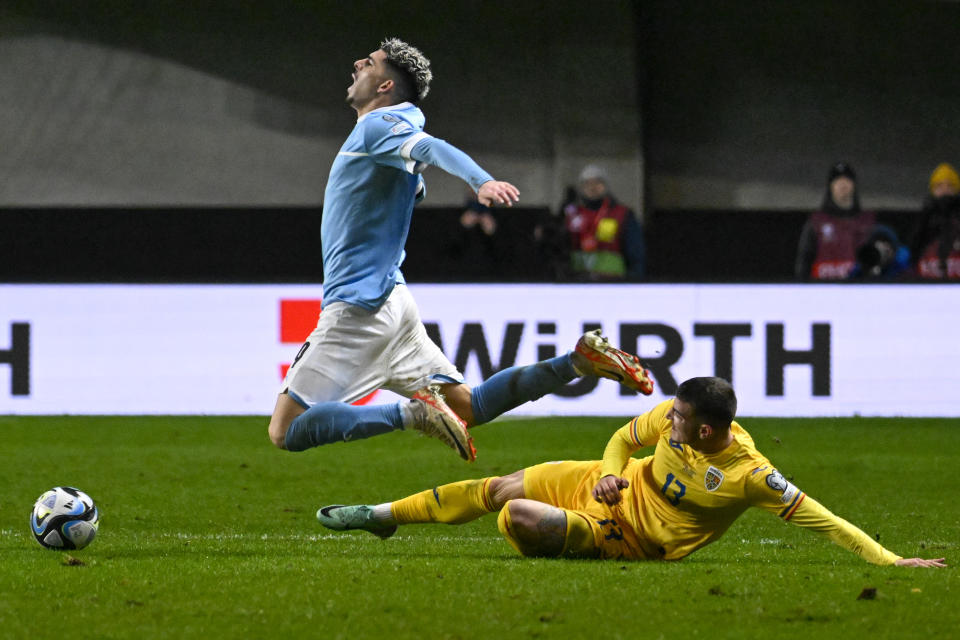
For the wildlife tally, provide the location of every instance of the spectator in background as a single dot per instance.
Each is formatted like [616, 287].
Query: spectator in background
[936, 241]
[606, 239]
[478, 243]
[831, 237]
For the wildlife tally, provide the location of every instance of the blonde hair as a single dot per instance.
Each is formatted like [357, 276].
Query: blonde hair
[409, 60]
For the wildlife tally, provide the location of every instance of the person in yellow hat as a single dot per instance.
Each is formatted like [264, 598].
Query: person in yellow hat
[944, 181]
[936, 240]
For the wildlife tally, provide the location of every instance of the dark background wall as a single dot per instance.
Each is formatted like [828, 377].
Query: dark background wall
[748, 103]
[262, 244]
[716, 104]
[181, 103]
[717, 120]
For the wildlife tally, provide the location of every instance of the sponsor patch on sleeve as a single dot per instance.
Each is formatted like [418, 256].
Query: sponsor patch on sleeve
[787, 490]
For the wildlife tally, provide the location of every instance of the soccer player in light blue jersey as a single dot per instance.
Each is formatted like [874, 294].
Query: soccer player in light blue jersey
[369, 335]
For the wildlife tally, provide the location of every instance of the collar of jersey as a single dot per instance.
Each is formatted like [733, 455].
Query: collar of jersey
[722, 456]
[391, 107]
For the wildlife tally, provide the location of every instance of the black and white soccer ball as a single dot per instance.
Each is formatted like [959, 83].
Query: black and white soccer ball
[64, 518]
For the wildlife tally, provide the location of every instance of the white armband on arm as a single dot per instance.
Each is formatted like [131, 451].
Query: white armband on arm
[424, 148]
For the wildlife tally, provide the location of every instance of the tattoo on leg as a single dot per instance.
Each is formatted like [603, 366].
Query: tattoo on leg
[551, 533]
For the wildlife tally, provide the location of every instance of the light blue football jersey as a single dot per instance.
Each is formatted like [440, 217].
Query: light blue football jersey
[373, 185]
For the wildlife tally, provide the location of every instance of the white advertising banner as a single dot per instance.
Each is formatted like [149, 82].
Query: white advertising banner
[790, 350]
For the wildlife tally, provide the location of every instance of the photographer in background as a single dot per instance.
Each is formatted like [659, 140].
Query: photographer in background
[881, 257]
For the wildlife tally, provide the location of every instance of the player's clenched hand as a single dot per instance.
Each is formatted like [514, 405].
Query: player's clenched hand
[495, 192]
[608, 489]
[921, 562]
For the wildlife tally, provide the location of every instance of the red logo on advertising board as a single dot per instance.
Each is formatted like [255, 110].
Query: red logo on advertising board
[297, 319]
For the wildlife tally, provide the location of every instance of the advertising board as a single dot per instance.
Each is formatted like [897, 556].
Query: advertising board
[790, 350]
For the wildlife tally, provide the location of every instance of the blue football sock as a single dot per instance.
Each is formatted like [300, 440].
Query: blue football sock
[328, 422]
[512, 387]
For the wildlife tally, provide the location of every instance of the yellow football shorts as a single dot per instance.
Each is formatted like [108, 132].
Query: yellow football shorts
[568, 485]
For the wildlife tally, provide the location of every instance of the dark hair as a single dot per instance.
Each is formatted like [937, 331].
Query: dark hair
[841, 169]
[837, 170]
[403, 84]
[712, 399]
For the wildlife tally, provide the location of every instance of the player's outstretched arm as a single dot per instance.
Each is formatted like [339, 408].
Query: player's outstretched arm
[439, 153]
[608, 488]
[921, 562]
[813, 515]
[497, 192]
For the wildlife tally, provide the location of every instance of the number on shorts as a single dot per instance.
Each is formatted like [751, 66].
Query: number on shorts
[303, 350]
[612, 529]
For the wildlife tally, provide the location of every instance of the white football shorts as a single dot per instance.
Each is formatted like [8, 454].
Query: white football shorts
[354, 351]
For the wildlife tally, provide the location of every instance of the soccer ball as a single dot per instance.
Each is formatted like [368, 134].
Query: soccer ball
[64, 518]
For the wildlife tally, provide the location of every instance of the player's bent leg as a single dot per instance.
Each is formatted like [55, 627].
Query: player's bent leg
[430, 414]
[511, 387]
[453, 503]
[458, 399]
[594, 355]
[533, 528]
[537, 529]
[286, 410]
[514, 386]
[505, 488]
[330, 422]
[456, 502]
[296, 428]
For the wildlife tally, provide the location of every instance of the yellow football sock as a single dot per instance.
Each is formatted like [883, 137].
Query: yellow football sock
[505, 525]
[453, 503]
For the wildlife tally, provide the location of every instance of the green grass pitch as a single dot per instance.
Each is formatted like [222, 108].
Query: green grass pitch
[207, 531]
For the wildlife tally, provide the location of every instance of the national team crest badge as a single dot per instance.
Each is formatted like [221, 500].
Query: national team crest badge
[713, 478]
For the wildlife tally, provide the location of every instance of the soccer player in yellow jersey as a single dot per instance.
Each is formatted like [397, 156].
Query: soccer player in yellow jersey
[704, 472]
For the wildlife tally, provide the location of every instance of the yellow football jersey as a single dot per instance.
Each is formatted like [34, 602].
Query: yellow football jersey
[680, 499]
